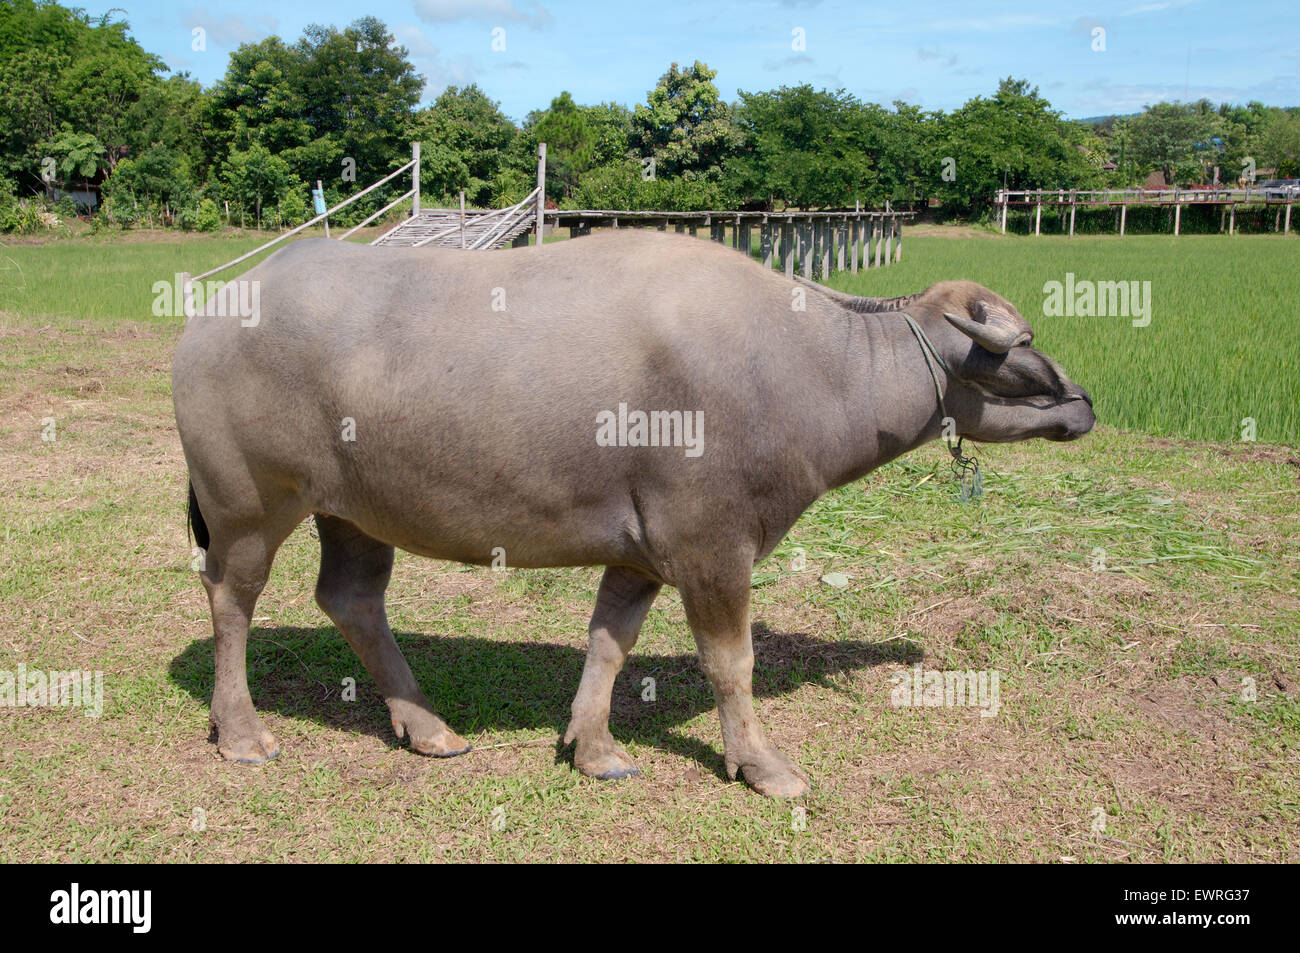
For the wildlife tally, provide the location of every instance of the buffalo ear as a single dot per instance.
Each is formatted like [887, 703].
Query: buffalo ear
[998, 333]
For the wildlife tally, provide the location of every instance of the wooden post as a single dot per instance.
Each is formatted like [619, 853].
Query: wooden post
[889, 240]
[765, 243]
[1232, 219]
[415, 179]
[1178, 214]
[880, 240]
[1223, 217]
[541, 192]
[1123, 216]
[870, 228]
[321, 189]
[1287, 228]
[898, 249]
[187, 295]
[1072, 207]
[787, 248]
[1038, 214]
[806, 240]
[462, 220]
[841, 244]
[1006, 200]
[828, 236]
[853, 245]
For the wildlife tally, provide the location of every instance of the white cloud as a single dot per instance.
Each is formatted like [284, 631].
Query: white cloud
[496, 12]
[413, 38]
[231, 29]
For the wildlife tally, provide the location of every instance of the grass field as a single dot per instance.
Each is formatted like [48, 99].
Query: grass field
[1139, 596]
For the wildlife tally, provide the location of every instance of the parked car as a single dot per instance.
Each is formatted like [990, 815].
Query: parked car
[1280, 188]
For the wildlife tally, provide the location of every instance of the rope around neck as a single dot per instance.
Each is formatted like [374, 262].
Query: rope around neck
[970, 480]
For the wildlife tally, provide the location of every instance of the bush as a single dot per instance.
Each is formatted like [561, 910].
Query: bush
[293, 207]
[209, 217]
[24, 217]
[65, 208]
[621, 186]
[120, 211]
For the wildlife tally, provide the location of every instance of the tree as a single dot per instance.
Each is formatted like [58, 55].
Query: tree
[255, 178]
[464, 140]
[1279, 143]
[75, 154]
[570, 139]
[684, 125]
[806, 147]
[357, 87]
[158, 179]
[1015, 136]
[1175, 138]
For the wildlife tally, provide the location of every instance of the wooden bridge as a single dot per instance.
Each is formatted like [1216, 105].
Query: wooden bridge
[1226, 199]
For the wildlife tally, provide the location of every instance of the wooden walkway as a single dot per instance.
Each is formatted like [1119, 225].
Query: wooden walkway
[814, 243]
[1226, 199]
[450, 228]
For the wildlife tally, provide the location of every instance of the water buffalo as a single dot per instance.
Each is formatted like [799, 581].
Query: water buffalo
[653, 404]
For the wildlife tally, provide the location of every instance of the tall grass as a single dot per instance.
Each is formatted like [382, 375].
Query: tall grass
[1223, 343]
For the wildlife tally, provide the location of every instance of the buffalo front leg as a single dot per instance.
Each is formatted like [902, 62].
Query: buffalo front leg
[717, 607]
[354, 572]
[621, 606]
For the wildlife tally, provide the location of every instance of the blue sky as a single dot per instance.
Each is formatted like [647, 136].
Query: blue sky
[936, 55]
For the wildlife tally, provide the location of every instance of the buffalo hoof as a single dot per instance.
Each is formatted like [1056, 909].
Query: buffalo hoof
[439, 744]
[252, 748]
[429, 734]
[602, 759]
[772, 774]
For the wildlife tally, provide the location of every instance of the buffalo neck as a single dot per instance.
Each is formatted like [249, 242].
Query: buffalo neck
[887, 394]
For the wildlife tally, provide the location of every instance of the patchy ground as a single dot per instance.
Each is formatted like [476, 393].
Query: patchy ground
[1139, 600]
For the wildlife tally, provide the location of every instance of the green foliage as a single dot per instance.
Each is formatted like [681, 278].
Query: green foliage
[1015, 136]
[464, 139]
[293, 207]
[256, 179]
[684, 124]
[77, 155]
[807, 148]
[209, 216]
[1174, 138]
[623, 186]
[156, 185]
[1279, 144]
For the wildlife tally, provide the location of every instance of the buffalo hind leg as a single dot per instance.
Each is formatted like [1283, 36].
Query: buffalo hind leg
[354, 572]
[717, 606]
[621, 606]
[236, 566]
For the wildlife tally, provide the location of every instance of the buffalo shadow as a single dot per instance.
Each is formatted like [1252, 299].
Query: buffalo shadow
[479, 684]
